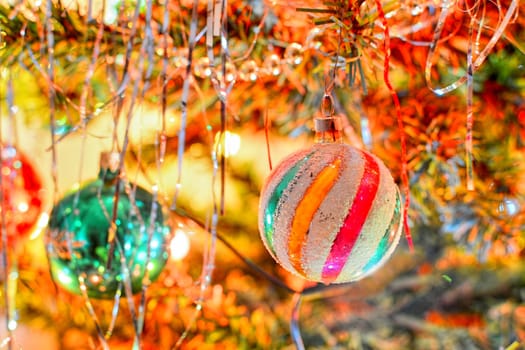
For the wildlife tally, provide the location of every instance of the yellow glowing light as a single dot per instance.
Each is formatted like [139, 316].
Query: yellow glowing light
[229, 143]
[23, 207]
[179, 245]
[154, 244]
[64, 278]
[95, 279]
[12, 324]
[41, 224]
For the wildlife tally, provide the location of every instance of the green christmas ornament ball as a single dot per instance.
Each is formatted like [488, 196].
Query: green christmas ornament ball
[77, 238]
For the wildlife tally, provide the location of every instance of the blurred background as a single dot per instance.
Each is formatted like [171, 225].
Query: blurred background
[198, 101]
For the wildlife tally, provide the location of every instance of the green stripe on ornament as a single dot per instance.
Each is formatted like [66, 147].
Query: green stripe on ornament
[273, 201]
[386, 241]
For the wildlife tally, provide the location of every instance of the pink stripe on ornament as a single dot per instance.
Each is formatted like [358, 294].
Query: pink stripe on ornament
[355, 219]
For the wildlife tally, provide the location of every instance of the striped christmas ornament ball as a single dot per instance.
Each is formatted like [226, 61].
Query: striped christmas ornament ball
[331, 213]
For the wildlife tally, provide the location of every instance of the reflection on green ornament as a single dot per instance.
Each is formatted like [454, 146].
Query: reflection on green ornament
[76, 240]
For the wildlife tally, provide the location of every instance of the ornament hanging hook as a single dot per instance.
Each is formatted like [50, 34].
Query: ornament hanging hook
[328, 126]
[327, 106]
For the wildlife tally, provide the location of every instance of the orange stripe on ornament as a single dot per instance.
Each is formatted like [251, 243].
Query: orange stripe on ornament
[306, 209]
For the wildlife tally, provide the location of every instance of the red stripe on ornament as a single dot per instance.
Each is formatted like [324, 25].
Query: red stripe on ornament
[355, 219]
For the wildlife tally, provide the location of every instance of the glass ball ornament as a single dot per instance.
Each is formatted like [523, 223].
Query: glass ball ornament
[202, 68]
[293, 54]
[330, 213]
[314, 39]
[272, 65]
[249, 71]
[23, 194]
[180, 58]
[77, 238]
[230, 72]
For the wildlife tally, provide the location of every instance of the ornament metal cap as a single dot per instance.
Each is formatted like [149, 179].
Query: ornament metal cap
[327, 124]
[109, 165]
[328, 129]
[109, 161]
